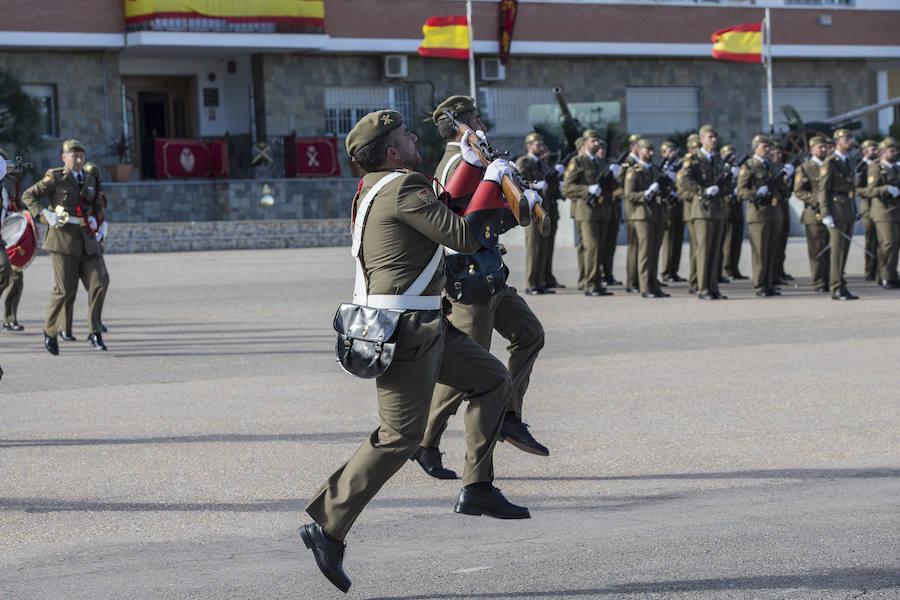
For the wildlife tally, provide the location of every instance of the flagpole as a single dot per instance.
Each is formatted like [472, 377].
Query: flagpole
[472, 50]
[768, 36]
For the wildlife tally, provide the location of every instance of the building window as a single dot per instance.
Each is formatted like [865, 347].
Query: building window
[344, 106]
[662, 110]
[812, 104]
[507, 108]
[820, 3]
[45, 94]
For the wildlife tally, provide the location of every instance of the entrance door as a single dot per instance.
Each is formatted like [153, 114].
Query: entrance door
[157, 107]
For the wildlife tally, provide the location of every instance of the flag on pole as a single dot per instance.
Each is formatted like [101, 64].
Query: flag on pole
[446, 37]
[741, 43]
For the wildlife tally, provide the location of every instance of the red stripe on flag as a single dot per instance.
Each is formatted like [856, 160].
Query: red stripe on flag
[751, 58]
[462, 53]
[745, 27]
[446, 21]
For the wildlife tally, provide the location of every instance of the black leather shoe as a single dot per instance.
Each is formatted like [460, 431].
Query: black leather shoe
[662, 294]
[535, 291]
[600, 292]
[67, 336]
[51, 344]
[674, 279]
[724, 279]
[889, 285]
[557, 285]
[787, 276]
[649, 295]
[14, 326]
[843, 295]
[613, 281]
[633, 290]
[773, 292]
[870, 277]
[739, 276]
[707, 297]
[762, 293]
[692, 290]
[489, 504]
[518, 435]
[661, 284]
[822, 289]
[720, 296]
[97, 341]
[103, 328]
[430, 461]
[329, 555]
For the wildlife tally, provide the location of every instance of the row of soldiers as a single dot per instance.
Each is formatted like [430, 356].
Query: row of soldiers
[705, 191]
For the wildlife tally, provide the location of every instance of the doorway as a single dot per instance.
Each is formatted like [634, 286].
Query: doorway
[157, 107]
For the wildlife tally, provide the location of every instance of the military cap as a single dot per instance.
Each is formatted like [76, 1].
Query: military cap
[667, 145]
[589, 133]
[760, 139]
[579, 142]
[371, 127]
[816, 140]
[868, 144]
[455, 104]
[842, 133]
[644, 143]
[888, 142]
[533, 137]
[73, 146]
[92, 169]
[726, 149]
[707, 129]
[634, 138]
[693, 143]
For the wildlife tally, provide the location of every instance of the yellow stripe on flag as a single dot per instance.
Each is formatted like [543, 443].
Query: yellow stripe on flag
[308, 9]
[741, 43]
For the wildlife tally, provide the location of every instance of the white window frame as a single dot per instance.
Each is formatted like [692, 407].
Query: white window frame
[346, 105]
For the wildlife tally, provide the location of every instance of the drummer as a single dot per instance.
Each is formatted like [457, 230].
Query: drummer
[72, 217]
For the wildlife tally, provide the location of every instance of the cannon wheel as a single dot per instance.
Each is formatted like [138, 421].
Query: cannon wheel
[796, 143]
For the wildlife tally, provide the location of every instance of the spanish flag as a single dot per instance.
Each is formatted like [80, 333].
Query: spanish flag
[307, 12]
[446, 37]
[742, 43]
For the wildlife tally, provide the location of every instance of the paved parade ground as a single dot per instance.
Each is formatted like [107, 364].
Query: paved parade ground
[740, 449]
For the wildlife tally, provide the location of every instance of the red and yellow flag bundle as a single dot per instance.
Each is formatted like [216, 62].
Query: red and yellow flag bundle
[741, 43]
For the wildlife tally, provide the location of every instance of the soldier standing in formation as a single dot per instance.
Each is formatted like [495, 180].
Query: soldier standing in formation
[502, 309]
[590, 209]
[673, 239]
[74, 252]
[11, 280]
[642, 195]
[611, 233]
[806, 180]
[837, 206]
[553, 177]
[402, 233]
[776, 155]
[538, 248]
[631, 268]
[697, 186]
[883, 190]
[693, 148]
[762, 187]
[733, 236]
[869, 151]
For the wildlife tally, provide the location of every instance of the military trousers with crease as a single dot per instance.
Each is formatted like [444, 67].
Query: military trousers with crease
[871, 244]
[816, 242]
[631, 256]
[404, 396]
[67, 270]
[538, 250]
[508, 314]
[649, 238]
[673, 239]
[733, 238]
[840, 248]
[692, 255]
[708, 254]
[888, 244]
[763, 254]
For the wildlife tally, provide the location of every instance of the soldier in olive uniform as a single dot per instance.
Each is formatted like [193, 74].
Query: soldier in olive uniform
[806, 181]
[673, 239]
[631, 260]
[74, 251]
[776, 155]
[733, 238]
[611, 234]
[835, 196]
[883, 190]
[697, 185]
[553, 177]
[590, 209]
[11, 280]
[538, 248]
[693, 148]
[760, 185]
[403, 231]
[644, 195]
[503, 310]
[869, 151]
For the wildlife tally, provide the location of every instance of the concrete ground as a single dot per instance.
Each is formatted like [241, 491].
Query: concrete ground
[712, 450]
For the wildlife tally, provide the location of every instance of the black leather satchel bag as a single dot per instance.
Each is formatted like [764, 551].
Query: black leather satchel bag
[475, 277]
[366, 339]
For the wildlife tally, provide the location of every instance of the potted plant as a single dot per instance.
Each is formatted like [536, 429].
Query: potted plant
[122, 170]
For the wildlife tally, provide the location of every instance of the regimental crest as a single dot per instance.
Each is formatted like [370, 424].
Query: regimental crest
[386, 119]
[824, 171]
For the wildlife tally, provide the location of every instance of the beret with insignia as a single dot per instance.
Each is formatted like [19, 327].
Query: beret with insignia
[816, 140]
[842, 133]
[533, 137]
[887, 142]
[707, 129]
[666, 145]
[644, 143]
[370, 127]
[590, 133]
[726, 149]
[760, 139]
[72, 146]
[455, 104]
[868, 144]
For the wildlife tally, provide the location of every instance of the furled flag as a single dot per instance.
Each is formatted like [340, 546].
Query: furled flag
[446, 37]
[742, 43]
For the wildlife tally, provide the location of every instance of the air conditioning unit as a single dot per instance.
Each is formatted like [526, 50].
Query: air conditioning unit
[395, 66]
[492, 70]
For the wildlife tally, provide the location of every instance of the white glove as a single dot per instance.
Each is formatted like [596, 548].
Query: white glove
[788, 170]
[615, 168]
[540, 186]
[560, 169]
[651, 190]
[533, 198]
[711, 190]
[468, 153]
[92, 222]
[497, 170]
[762, 191]
[735, 171]
[50, 217]
[594, 189]
[672, 175]
[101, 233]
[828, 221]
[893, 191]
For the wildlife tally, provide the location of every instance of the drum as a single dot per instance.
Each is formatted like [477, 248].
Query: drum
[21, 237]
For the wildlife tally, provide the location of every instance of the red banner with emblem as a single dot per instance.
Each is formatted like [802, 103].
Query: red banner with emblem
[311, 157]
[177, 158]
[508, 10]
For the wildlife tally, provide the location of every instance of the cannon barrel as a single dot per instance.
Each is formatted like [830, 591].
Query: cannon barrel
[849, 116]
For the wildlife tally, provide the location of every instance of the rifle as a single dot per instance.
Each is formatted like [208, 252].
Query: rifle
[511, 185]
[606, 179]
[779, 177]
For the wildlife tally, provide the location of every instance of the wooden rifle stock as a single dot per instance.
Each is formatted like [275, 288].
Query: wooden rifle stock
[511, 186]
